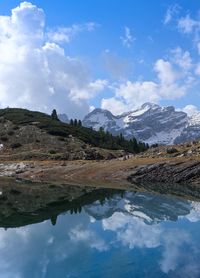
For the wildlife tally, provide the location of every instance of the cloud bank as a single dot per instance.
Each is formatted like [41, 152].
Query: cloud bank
[35, 72]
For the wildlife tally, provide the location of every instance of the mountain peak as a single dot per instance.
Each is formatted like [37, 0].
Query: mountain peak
[150, 123]
[149, 105]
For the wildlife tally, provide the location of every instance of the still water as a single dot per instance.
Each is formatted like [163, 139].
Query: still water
[124, 234]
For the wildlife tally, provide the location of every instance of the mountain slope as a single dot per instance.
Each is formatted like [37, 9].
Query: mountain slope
[27, 134]
[191, 131]
[151, 124]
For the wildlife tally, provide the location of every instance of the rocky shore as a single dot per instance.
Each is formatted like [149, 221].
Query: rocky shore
[167, 172]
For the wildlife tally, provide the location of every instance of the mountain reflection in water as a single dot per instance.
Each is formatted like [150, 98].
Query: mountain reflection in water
[105, 234]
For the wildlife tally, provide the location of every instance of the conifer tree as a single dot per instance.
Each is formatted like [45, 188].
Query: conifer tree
[54, 115]
[79, 123]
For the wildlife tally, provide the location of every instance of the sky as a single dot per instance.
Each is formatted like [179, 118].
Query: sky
[76, 55]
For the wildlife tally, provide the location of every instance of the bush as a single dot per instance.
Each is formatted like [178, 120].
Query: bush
[15, 191]
[154, 146]
[52, 151]
[61, 138]
[4, 138]
[172, 150]
[11, 132]
[16, 145]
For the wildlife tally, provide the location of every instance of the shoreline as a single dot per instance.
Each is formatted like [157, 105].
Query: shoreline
[32, 190]
[132, 174]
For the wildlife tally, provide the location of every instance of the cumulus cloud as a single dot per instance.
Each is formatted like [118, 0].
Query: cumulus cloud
[35, 72]
[187, 25]
[190, 110]
[133, 232]
[127, 39]
[115, 105]
[172, 81]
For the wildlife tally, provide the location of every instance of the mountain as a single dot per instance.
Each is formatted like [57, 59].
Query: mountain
[150, 123]
[145, 206]
[63, 118]
[191, 131]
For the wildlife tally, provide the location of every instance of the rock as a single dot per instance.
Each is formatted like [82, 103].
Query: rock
[167, 172]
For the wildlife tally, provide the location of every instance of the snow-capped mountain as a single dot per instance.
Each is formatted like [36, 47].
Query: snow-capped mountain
[145, 206]
[151, 124]
[191, 131]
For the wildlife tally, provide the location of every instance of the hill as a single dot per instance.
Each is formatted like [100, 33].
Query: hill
[27, 134]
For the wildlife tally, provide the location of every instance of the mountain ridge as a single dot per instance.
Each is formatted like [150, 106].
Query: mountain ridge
[151, 123]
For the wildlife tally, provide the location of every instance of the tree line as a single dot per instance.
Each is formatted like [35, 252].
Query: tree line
[101, 138]
[107, 140]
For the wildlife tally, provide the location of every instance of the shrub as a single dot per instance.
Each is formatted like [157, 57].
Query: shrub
[52, 151]
[154, 146]
[4, 138]
[61, 138]
[11, 132]
[172, 150]
[15, 145]
[15, 191]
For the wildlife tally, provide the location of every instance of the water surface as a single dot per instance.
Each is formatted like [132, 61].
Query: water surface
[124, 234]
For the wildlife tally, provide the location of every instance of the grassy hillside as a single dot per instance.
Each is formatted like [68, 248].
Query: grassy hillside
[20, 117]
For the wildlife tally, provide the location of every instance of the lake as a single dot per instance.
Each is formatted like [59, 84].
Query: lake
[114, 234]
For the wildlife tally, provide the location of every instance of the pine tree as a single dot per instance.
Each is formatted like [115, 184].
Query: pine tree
[71, 122]
[54, 115]
[75, 122]
[79, 123]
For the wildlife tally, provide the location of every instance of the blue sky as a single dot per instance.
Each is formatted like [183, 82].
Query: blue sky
[129, 52]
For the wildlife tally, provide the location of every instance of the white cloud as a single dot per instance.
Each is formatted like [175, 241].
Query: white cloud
[78, 234]
[194, 215]
[132, 231]
[190, 110]
[165, 72]
[190, 26]
[127, 39]
[173, 241]
[112, 104]
[36, 73]
[89, 91]
[66, 34]
[182, 58]
[187, 24]
[171, 12]
[172, 81]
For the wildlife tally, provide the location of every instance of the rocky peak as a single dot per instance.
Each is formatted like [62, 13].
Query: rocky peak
[150, 123]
